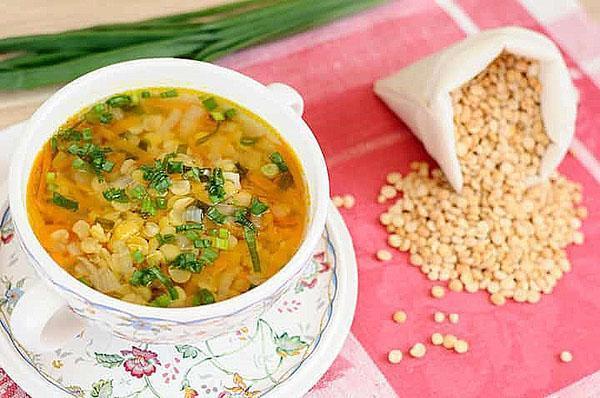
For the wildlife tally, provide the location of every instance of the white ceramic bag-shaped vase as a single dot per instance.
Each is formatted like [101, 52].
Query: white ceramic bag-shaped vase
[420, 93]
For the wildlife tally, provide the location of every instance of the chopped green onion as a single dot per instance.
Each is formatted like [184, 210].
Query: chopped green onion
[210, 103]
[161, 301]
[146, 94]
[222, 244]
[223, 233]
[174, 167]
[50, 177]
[209, 255]
[54, 144]
[145, 276]
[164, 239]
[64, 202]
[241, 218]
[119, 101]
[161, 203]
[189, 227]
[192, 235]
[137, 256]
[169, 94]
[138, 192]
[229, 113]
[147, 207]
[250, 237]
[203, 297]
[106, 118]
[187, 261]
[270, 170]
[115, 195]
[215, 215]
[278, 160]
[257, 207]
[217, 116]
[202, 243]
[215, 186]
[248, 141]
[86, 134]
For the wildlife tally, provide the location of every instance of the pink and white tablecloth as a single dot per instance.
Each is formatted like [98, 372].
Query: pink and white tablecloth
[513, 349]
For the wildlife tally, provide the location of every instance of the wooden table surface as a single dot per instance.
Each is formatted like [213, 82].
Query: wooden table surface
[22, 17]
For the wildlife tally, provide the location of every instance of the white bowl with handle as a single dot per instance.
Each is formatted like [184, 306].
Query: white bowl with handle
[55, 310]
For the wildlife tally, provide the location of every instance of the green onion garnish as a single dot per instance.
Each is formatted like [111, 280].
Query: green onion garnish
[145, 276]
[187, 261]
[169, 94]
[86, 134]
[210, 103]
[138, 192]
[161, 301]
[115, 195]
[164, 239]
[161, 203]
[278, 160]
[250, 237]
[147, 207]
[217, 116]
[257, 207]
[215, 186]
[137, 256]
[146, 94]
[215, 215]
[64, 202]
[229, 113]
[203, 297]
[119, 101]
[189, 227]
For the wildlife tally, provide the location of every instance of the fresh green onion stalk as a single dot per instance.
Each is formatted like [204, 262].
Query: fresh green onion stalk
[205, 35]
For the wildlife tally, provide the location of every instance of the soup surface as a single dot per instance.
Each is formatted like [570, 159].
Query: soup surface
[168, 197]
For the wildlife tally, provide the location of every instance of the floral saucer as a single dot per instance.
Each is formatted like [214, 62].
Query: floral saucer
[284, 353]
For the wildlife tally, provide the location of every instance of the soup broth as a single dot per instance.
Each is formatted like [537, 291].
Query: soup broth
[168, 197]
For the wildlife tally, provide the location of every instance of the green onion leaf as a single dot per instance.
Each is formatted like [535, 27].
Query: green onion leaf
[215, 186]
[257, 207]
[119, 101]
[137, 256]
[161, 301]
[202, 243]
[187, 261]
[146, 94]
[138, 192]
[64, 202]
[210, 103]
[161, 203]
[215, 215]
[147, 207]
[145, 276]
[106, 118]
[163, 239]
[189, 227]
[203, 297]
[229, 113]
[250, 237]
[86, 134]
[217, 116]
[115, 195]
[278, 160]
[169, 94]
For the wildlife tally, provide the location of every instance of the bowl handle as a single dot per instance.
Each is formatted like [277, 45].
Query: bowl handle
[42, 321]
[288, 96]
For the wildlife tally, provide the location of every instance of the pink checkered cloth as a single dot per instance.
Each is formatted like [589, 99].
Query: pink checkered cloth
[513, 349]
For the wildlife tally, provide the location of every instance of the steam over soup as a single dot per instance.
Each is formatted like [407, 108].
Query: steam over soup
[168, 197]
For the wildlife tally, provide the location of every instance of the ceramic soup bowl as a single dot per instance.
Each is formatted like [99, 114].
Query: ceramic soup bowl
[55, 310]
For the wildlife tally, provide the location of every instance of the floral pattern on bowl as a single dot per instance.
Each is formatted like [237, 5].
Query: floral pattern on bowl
[248, 362]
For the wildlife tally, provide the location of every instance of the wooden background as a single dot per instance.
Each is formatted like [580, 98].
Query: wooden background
[21, 17]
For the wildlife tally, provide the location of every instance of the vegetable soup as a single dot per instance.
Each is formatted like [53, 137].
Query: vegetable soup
[168, 197]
